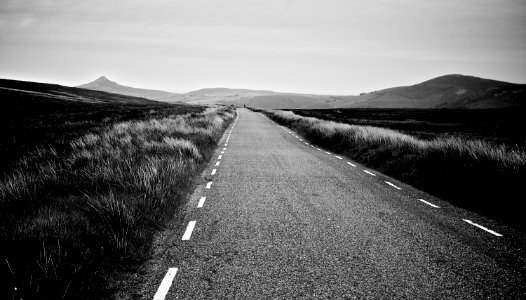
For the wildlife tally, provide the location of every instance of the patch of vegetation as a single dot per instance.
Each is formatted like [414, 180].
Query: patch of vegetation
[502, 126]
[474, 174]
[35, 115]
[88, 186]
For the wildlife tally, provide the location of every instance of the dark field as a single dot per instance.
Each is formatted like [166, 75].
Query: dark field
[87, 180]
[52, 115]
[491, 125]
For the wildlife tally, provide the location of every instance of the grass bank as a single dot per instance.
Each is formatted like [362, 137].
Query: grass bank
[474, 174]
[71, 220]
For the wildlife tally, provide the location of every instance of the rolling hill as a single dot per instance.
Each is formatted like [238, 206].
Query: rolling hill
[106, 85]
[57, 93]
[450, 91]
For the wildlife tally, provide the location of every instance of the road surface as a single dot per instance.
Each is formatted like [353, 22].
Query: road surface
[277, 218]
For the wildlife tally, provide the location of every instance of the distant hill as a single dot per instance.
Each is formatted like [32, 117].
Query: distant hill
[45, 92]
[231, 92]
[255, 98]
[290, 101]
[106, 85]
[450, 91]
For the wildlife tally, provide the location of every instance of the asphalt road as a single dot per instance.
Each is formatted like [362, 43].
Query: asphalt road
[284, 220]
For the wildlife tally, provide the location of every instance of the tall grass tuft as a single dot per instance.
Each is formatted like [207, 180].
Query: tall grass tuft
[475, 174]
[69, 221]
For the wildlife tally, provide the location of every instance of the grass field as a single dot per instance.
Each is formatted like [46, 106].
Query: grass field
[473, 173]
[85, 186]
[502, 126]
[52, 115]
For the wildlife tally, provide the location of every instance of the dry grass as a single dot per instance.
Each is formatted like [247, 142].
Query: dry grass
[69, 221]
[470, 173]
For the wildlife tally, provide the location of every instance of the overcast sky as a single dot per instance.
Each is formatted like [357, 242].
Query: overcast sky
[311, 46]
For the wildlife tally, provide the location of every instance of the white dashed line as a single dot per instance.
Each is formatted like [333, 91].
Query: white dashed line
[372, 174]
[201, 202]
[337, 157]
[396, 187]
[222, 152]
[224, 149]
[483, 228]
[328, 152]
[428, 203]
[214, 171]
[220, 156]
[301, 140]
[188, 232]
[217, 164]
[350, 164]
[165, 284]
[209, 184]
[318, 149]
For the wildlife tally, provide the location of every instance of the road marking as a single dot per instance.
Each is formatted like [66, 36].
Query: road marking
[351, 164]
[398, 188]
[208, 185]
[328, 152]
[217, 164]
[428, 203]
[483, 228]
[224, 149]
[188, 233]
[301, 140]
[369, 173]
[318, 149]
[201, 202]
[226, 144]
[214, 171]
[222, 152]
[220, 156]
[165, 284]
[337, 157]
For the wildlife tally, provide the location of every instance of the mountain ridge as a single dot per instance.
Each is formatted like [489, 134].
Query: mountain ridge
[447, 91]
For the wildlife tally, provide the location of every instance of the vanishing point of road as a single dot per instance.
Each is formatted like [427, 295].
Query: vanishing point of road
[279, 218]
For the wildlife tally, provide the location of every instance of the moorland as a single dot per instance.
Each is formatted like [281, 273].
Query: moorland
[87, 180]
[501, 126]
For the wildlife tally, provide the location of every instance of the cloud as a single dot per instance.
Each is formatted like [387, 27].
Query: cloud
[342, 33]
